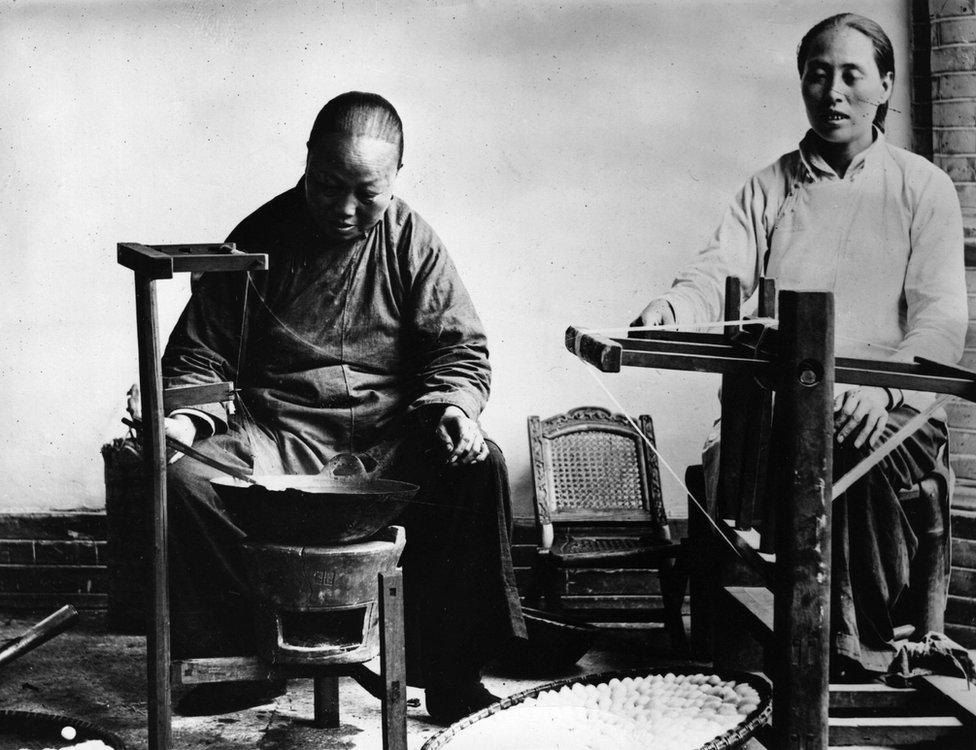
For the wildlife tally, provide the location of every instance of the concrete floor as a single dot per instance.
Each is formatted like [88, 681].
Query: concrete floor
[101, 677]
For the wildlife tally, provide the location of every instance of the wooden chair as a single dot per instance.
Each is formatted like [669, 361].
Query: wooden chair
[598, 505]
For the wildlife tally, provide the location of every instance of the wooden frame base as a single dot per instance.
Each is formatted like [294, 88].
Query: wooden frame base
[940, 712]
[389, 685]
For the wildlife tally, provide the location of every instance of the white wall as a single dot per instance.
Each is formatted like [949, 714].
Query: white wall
[571, 155]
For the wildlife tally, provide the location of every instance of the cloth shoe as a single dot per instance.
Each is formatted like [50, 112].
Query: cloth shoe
[226, 697]
[448, 703]
[935, 653]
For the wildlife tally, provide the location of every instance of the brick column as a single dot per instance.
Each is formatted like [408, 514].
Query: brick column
[953, 72]
[921, 79]
[952, 67]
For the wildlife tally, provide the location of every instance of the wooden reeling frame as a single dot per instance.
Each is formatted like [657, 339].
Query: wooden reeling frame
[150, 263]
[797, 361]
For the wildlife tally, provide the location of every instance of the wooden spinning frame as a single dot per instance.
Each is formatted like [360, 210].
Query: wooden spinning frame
[149, 264]
[796, 361]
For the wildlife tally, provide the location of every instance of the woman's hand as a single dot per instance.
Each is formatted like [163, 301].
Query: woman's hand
[462, 437]
[657, 313]
[181, 427]
[866, 408]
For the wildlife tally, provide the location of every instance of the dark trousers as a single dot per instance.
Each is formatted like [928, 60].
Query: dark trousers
[461, 601]
[890, 557]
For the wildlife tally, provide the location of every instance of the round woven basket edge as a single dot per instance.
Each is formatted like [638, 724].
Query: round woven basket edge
[60, 720]
[730, 739]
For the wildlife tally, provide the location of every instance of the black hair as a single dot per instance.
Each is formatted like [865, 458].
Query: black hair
[884, 53]
[359, 113]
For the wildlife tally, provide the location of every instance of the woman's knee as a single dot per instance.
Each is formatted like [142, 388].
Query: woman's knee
[188, 485]
[184, 475]
[495, 458]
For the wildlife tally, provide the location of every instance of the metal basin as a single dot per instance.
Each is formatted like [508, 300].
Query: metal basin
[555, 643]
[343, 504]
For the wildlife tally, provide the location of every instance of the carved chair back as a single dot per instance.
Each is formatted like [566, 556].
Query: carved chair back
[591, 467]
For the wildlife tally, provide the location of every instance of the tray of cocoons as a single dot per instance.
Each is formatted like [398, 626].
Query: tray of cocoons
[628, 710]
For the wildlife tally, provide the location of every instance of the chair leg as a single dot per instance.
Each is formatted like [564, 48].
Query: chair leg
[674, 580]
[543, 590]
[535, 587]
[393, 669]
[326, 693]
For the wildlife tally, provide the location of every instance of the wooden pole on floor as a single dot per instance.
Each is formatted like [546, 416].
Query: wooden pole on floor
[393, 670]
[801, 652]
[325, 691]
[154, 454]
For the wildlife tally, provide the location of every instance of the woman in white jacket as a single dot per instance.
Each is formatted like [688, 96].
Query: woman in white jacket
[881, 228]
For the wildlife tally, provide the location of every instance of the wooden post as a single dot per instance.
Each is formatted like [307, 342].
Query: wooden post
[752, 495]
[767, 298]
[710, 573]
[154, 454]
[802, 605]
[733, 305]
[325, 692]
[734, 422]
[727, 643]
[393, 668]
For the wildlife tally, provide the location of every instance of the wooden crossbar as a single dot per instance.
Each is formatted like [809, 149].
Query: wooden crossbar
[162, 261]
[740, 356]
[182, 396]
[894, 730]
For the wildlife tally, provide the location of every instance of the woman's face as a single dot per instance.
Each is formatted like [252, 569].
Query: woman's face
[349, 184]
[842, 88]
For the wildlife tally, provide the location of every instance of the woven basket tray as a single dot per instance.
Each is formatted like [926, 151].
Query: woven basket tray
[34, 729]
[732, 738]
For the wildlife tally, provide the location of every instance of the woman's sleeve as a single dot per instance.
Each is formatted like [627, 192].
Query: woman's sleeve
[736, 249]
[935, 280]
[450, 350]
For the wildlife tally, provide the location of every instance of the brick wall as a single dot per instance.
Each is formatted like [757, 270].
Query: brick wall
[950, 49]
[51, 559]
